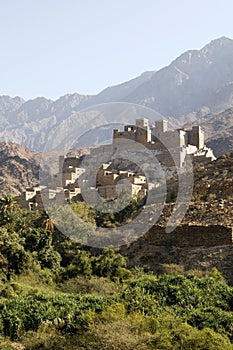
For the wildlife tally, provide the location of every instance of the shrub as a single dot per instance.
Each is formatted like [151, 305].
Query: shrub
[109, 264]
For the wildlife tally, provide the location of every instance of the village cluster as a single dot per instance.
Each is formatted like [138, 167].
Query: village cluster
[157, 138]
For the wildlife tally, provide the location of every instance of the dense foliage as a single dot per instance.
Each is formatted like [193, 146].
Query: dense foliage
[55, 295]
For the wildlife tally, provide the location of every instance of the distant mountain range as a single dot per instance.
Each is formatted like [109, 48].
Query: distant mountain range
[198, 83]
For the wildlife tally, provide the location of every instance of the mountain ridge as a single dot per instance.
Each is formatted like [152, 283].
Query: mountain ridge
[196, 83]
[170, 101]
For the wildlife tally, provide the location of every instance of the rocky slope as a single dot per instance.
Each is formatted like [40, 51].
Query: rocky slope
[19, 168]
[212, 204]
[212, 199]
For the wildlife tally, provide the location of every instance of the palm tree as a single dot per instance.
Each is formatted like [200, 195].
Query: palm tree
[46, 222]
[49, 225]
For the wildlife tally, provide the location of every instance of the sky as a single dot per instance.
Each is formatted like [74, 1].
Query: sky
[53, 47]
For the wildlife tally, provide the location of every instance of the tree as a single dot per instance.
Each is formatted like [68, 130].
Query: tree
[12, 249]
[8, 209]
[109, 264]
[80, 265]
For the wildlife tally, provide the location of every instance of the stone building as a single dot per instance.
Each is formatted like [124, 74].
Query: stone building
[109, 182]
[64, 186]
[168, 144]
[141, 132]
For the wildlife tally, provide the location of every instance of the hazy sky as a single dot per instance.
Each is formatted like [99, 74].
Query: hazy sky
[53, 47]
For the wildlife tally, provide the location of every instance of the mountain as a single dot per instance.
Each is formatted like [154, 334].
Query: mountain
[191, 82]
[119, 92]
[197, 83]
[218, 129]
[221, 145]
[30, 123]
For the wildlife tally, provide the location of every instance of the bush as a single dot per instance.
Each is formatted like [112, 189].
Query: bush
[110, 265]
[80, 265]
[185, 292]
[90, 285]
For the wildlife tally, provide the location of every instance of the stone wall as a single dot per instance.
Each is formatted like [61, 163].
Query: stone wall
[190, 236]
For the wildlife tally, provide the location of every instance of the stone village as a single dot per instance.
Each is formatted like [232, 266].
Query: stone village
[157, 138]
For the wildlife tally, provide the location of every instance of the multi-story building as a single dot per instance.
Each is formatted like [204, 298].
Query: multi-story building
[167, 143]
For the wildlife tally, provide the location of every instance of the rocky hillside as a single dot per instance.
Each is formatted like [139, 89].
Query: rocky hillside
[212, 204]
[196, 83]
[19, 167]
[212, 200]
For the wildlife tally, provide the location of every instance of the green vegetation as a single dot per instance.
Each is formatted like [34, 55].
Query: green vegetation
[56, 295]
